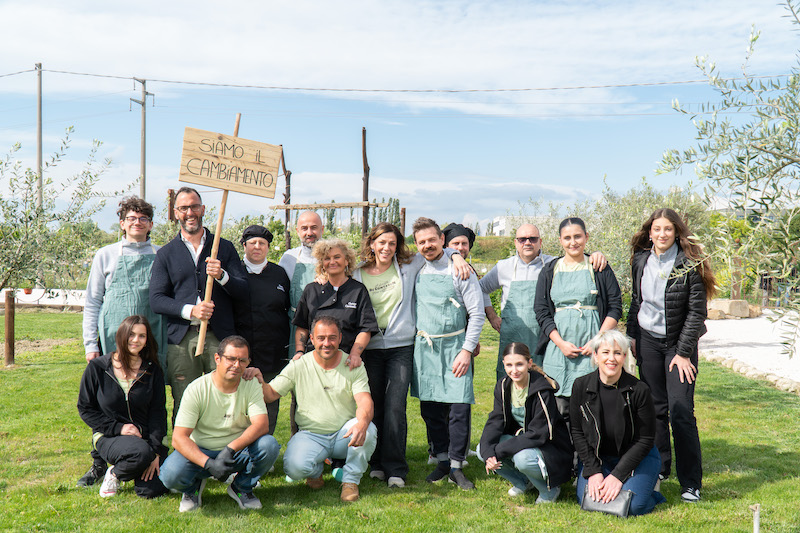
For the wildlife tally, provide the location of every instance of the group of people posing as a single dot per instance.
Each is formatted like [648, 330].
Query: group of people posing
[347, 339]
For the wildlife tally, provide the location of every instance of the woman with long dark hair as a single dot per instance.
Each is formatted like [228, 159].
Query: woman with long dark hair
[122, 398]
[671, 282]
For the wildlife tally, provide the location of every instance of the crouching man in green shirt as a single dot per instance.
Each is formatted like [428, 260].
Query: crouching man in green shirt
[221, 429]
[334, 411]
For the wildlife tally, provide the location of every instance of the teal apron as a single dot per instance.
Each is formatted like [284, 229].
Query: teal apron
[518, 320]
[441, 325]
[129, 294]
[574, 295]
[304, 273]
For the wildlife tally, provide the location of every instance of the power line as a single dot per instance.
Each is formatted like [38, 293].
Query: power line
[445, 91]
[15, 73]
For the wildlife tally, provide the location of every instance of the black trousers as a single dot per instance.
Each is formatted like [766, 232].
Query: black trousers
[130, 457]
[448, 426]
[674, 405]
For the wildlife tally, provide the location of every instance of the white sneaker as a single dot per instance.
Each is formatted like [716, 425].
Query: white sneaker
[553, 496]
[397, 482]
[192, 502]
[110, 484]
[377, 474]
[516, 491]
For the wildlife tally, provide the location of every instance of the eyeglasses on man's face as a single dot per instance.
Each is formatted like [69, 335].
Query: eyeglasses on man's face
[523, 240]
[141, 220]
[244, 361]
[186, 208]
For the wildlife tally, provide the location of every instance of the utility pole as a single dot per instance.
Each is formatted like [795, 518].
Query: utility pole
[142, 157]
[365, 187]
[39, 181]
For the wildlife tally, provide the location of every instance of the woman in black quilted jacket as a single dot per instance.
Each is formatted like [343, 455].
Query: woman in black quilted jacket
[671, 282]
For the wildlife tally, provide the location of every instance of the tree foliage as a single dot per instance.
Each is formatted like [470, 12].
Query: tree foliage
[747, 156]
[47, 246]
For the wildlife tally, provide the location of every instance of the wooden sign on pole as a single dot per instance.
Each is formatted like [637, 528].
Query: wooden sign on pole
[229, 163]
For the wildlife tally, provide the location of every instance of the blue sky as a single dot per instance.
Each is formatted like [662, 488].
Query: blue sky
[462, 157]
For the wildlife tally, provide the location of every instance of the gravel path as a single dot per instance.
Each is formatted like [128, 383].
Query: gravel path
[756, 344]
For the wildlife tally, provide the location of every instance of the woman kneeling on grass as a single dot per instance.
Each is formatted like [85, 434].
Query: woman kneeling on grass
[525, 429]
[614, 429]
[122, 399]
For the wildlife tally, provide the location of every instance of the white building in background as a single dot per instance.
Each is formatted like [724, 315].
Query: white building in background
[504, 226]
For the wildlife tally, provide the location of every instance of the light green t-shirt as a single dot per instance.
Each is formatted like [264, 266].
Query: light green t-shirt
[385, 293]
[325, 398]
[518, 397]
[217, 417]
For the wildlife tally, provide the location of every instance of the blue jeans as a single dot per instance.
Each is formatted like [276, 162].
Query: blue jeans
[306, 453]
[389, 373]
[641, 483]
[252, 462]
[526, 466]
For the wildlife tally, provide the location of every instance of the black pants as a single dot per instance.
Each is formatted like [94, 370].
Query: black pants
[130, 457]
[389, 373]
[674, 405]
[448, 426]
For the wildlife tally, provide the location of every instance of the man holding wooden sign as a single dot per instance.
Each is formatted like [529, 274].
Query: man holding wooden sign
[177, 289]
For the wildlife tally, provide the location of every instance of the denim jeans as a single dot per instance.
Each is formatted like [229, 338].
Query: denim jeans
[526, 466]
[641, 483]
[252, 462]
[306, 453]
[389, 373]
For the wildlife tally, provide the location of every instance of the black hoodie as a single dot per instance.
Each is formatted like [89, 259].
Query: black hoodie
[544, 429]
[104, 408]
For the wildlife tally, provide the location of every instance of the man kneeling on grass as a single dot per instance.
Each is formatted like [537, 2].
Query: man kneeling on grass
[221, 429]
[334, 411]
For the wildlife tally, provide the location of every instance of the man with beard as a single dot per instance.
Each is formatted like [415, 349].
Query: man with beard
[177, 291]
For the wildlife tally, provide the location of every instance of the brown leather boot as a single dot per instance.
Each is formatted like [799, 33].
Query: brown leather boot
[349, 492]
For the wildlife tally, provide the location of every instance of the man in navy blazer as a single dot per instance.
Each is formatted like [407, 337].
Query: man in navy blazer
[177, 291]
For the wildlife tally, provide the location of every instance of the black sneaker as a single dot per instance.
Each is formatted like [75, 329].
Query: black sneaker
[92, 476]
[457, 476]
[690, 495]
[441, 471]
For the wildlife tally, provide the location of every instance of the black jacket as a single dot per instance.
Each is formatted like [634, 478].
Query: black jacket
[545, 428]
[609, 300]
[102, 404]
[350, 304]
[263, 317]
[684, 303]
[176, 281]
[586, 414]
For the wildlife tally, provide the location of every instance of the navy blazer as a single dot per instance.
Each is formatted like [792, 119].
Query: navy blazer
[176, 281]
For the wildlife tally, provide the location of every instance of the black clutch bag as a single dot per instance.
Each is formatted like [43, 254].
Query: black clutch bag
[619, 506]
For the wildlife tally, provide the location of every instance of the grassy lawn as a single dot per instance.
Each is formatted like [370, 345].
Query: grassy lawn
[749, 433]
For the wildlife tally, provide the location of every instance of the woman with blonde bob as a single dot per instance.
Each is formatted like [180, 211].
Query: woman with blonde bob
[613, 429]
[671, 282]
[341, 297]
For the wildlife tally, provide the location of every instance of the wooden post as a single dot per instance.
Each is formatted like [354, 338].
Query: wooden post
[287, 196]
[403, 221]
[9, 348]
[171, 205]
[201, 339]
[365, 189]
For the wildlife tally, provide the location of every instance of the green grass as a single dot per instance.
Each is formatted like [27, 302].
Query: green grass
[749, 434]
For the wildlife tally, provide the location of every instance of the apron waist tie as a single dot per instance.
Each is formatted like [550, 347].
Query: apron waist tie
[425, 335]
[577, 306]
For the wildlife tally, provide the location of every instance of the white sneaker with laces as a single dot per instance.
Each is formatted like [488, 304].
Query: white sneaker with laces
[192, 502]
[110, 484]
[377, 474]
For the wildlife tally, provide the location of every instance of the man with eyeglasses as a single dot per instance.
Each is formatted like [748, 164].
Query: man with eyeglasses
[517, 276]
[221, 429]
[118, 286]
[177, 291]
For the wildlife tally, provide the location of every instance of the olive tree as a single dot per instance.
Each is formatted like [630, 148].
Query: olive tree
[747, 157]
[47, 245]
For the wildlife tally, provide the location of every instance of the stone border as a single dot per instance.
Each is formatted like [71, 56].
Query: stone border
[780, 383]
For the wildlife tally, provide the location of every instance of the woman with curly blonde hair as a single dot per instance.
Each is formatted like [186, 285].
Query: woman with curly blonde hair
[341, 297]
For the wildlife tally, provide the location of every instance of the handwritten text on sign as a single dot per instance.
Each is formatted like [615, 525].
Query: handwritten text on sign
[230, 163]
